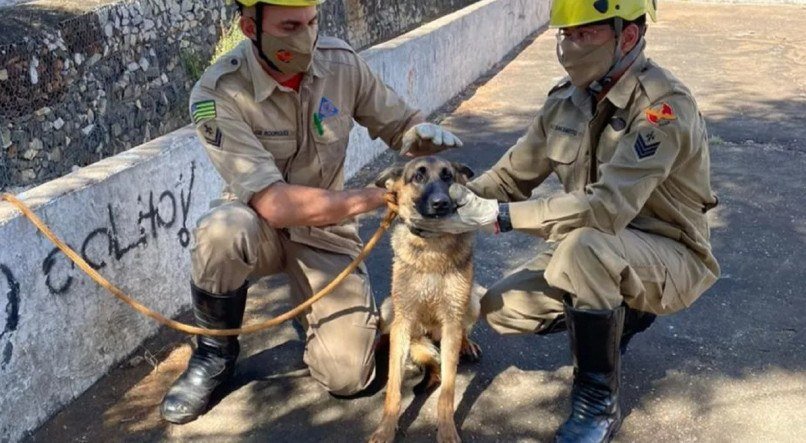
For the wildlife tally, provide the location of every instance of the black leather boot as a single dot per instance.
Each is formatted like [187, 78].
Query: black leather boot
[213, 360]
[595, 411]
[635, 321]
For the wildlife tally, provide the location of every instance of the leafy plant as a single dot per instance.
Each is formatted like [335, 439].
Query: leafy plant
[229, 39]
[194, 67]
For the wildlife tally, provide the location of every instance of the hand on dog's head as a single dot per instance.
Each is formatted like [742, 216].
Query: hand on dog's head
[422, 185]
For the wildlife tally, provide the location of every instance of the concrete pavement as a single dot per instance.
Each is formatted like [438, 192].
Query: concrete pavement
[731, 368]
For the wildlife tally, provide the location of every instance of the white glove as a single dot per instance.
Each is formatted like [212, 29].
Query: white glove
[473, 213]
[428, 138]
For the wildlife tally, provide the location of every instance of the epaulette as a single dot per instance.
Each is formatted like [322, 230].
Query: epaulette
[656, 82]
[225, 65]
[564, 83]
[326, 42]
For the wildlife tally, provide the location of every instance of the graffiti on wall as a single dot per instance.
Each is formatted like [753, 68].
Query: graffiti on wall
[159, 213]
[11, 314]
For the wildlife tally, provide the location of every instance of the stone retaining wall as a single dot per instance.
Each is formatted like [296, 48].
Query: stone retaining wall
[81, 81]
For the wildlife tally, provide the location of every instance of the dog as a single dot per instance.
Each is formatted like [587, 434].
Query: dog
[432, 298]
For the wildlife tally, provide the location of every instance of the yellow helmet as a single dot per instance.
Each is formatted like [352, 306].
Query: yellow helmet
[569, 13]
[249, 3]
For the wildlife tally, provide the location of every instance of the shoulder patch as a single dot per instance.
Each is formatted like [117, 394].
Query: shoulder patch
[660, 115]
[225, 65]
[326, 42]
[203, 110]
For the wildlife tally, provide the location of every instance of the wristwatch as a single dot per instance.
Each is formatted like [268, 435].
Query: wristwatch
[504, 222]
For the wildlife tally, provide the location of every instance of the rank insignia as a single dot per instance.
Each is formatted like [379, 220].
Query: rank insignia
[646, 146]
[212, 134]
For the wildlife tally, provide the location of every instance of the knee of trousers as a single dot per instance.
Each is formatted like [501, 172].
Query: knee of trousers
[583, 258]
[343, 376]
[228, 232]
[494, 311]
[492, 303]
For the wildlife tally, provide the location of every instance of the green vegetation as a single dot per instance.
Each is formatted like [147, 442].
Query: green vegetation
[229, 39]
[193, 64]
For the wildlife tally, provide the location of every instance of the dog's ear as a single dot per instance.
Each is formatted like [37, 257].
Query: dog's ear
[389, 176]
[464, 170]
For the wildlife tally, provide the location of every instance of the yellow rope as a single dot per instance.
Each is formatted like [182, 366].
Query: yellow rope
[189, 329]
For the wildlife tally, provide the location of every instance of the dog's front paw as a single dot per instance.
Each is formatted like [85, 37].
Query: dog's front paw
[384, 434]
[471, 351]
[447, 434]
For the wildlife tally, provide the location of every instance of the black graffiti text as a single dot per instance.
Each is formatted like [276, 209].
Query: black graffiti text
[11, 314]
[158, 212]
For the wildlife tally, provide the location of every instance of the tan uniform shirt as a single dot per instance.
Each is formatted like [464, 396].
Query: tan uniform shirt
[257, 132]
[650, 167]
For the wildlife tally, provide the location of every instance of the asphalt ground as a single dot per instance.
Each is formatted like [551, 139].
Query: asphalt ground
[732, 368]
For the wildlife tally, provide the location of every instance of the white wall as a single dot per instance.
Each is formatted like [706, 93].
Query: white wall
[132, 216]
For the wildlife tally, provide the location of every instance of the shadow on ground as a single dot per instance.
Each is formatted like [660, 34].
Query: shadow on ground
[730, 368]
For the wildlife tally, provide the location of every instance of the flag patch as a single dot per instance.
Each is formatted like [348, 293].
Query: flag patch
[203, 111]
[646, 147]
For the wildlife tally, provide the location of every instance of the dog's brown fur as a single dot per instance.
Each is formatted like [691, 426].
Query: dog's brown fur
[432, 298]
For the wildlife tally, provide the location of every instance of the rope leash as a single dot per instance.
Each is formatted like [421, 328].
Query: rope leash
[391, 213]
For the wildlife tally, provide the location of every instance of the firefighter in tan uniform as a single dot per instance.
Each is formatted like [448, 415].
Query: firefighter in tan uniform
[274, 116]
[630, 234]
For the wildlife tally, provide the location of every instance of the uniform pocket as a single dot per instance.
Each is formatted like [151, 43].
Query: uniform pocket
[563, 151]
[281, 149]
[331, 138]
[332, 130]
[682, 288]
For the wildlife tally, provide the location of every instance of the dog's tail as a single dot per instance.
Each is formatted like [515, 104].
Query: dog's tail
[387, 315]
[424, 353]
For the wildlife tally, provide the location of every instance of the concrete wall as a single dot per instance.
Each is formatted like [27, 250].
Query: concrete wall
[12, 2]
[132, 216]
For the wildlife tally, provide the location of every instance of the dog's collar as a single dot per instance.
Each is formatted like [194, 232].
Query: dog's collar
[421, 233]
[416, 231]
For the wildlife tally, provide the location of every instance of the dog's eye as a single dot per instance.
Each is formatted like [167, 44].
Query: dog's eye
[446, 175]
[419, 175]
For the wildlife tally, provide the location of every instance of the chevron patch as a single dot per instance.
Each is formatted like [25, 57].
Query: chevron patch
[212, 134]
[646, 147]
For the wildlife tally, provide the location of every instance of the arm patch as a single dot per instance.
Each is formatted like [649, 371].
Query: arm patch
[203, 110]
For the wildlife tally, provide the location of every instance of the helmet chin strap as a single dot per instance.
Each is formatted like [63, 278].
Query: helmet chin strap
[258, 41]
[622, 60]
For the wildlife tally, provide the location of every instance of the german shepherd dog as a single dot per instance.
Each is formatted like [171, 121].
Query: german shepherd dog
[432, 298]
